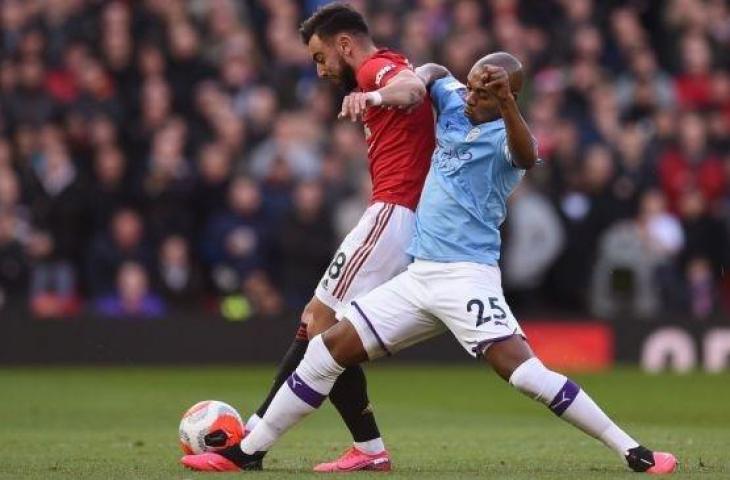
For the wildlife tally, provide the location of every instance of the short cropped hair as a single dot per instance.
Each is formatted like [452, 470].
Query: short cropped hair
[332, 19]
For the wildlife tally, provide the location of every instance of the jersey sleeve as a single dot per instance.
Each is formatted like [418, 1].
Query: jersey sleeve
[442, 90]
[377, 72]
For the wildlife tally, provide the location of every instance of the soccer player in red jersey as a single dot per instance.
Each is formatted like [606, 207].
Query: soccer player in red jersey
[399, 129]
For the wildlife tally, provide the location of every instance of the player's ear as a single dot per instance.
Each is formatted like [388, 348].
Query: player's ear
[343, 43]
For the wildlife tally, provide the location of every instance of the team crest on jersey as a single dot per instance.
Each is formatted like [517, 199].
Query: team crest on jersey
[455, 85]
[473, 134]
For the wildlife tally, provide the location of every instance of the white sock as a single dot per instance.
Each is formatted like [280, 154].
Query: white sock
[252, 421]
[303, 393]
[569, 402]
[371, 447]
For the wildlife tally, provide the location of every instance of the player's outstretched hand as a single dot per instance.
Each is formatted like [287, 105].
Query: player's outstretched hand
[496, 81]
[354, 105]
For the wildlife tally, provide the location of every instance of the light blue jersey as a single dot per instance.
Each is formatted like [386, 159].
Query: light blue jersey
[464, 198]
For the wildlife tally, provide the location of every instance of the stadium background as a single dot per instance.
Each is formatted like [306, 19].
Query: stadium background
[172, 171]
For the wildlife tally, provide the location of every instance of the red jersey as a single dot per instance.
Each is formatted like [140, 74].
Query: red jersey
[400, 144]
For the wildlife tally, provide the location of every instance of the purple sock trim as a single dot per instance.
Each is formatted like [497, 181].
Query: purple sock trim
[564, 398]
[375, 332]
[304, 391]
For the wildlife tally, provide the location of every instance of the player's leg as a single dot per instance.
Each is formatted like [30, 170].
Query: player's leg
[349, 395]
[315, 312]
[376, 254]
[476, 312]
[303, 392]
[383, 322]
[514, 361]
[348, 274]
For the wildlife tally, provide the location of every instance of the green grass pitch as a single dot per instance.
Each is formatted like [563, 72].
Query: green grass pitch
[440, 422]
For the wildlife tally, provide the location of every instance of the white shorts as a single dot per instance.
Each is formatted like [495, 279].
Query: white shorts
[429, 298]
[370, 255]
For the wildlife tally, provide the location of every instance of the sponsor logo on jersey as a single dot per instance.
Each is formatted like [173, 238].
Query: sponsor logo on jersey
[381, 73]
[449, 159]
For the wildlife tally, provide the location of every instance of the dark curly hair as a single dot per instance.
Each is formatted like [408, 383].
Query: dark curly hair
[332, 19]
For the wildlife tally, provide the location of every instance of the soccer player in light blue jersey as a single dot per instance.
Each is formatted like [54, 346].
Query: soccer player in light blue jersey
[483, 148]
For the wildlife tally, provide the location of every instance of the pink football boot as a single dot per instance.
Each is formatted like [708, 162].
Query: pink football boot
[354, 460]
[641, 459]
[209, 462]
[663, 463]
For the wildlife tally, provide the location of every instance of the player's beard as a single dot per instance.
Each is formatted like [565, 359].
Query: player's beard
[348, 82]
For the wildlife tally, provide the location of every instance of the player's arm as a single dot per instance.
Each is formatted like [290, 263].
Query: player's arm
[404, 89]
[430, 72]
[521, 143]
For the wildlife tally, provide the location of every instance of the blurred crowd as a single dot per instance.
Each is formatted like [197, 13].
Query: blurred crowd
[158, 155]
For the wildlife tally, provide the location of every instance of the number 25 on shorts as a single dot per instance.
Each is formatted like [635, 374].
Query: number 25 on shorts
[497, 311]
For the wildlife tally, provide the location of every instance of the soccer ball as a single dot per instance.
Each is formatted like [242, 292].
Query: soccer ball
[209, 426]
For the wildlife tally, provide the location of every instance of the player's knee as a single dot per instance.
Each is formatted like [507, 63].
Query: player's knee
[344, 344]
[537, 381]
[307, 313]
[507, 355]
[320, 325]
[318, 317]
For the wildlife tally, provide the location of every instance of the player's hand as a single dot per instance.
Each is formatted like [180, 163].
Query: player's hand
[354, 105]
[496, 82]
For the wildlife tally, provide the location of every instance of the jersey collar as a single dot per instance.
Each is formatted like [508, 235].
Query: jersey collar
[379, 51]
[490, 125]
